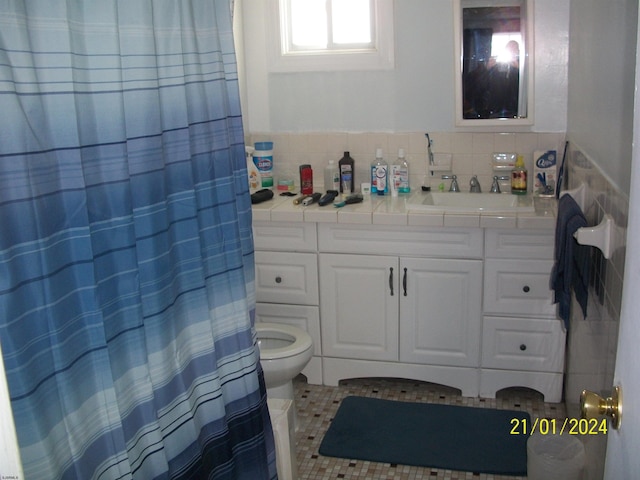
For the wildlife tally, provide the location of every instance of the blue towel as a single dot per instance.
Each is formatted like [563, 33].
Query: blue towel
[571, 260]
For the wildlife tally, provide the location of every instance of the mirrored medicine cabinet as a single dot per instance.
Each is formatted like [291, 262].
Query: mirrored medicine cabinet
[494, 62]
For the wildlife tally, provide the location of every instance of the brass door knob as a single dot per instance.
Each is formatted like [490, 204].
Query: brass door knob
[593, 405]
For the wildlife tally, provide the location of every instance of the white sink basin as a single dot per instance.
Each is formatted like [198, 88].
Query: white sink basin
[470, 202]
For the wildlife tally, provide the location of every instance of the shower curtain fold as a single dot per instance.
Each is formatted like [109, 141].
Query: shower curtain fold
[126, 258]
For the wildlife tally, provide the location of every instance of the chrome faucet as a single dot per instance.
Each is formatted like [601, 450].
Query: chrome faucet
[454, 182]
[495, 186]
[474, 185]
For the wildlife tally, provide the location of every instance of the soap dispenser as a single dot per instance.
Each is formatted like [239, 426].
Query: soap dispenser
[519, 177]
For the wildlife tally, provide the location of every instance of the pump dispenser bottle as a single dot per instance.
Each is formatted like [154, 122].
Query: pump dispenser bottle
[519, 177]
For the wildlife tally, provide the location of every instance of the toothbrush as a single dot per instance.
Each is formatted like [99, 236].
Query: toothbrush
[353, 198]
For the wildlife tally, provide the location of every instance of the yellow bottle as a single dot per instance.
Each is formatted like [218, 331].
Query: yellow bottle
[519, 177]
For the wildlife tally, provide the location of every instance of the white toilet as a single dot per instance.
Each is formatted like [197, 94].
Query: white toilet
[284, 351]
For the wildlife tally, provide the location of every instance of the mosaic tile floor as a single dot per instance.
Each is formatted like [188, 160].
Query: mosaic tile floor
[316, 406]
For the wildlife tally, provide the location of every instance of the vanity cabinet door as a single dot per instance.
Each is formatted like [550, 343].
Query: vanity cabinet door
[441, 312]
[359, 306]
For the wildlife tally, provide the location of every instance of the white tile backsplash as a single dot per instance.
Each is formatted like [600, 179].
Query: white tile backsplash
[471, 152]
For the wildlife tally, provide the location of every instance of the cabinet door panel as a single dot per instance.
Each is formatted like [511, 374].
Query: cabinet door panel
[441, 314]
[359, 306]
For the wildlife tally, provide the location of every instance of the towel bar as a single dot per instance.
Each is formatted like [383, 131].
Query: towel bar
[607, 236]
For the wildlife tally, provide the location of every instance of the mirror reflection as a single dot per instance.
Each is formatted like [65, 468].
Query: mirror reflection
[493, 59]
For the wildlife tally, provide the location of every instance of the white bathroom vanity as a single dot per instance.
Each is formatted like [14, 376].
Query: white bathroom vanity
[457, 299]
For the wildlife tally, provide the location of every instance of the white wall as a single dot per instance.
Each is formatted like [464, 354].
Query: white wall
[417, 96]
[601, 84]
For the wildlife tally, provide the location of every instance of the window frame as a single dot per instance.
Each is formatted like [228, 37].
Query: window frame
[347, 57]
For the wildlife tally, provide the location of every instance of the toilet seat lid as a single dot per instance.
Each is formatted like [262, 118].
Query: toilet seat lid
[300, 340]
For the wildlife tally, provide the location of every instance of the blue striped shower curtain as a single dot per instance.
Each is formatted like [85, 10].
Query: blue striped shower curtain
[126, 255]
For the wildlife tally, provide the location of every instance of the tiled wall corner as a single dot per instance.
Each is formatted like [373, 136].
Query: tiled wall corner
[592, 340]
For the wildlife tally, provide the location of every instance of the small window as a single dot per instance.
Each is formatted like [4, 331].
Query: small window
[323, 35]
[314, 26]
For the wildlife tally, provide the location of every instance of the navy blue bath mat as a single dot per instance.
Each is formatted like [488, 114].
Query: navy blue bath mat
[428, 435]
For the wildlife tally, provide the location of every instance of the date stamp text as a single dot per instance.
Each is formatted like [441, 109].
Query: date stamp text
[554, 426]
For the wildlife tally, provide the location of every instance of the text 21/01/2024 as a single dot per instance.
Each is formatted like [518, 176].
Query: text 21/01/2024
[554, 426]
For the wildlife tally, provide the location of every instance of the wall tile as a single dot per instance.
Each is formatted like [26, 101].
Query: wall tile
[482, 164]
[375, 141]
[418, 143]
[358, 144]
[462, 143]
[482, 143]
[318, 142]
[396, 142]
[504, 142]
[298, 144]
[337, 142]
[463, 164]
[527, 143]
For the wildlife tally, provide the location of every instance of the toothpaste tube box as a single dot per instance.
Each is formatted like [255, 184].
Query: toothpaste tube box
[545, 172]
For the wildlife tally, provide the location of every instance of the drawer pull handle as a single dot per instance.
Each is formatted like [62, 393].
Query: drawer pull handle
[391, 280]
[278, 279]
[404, 282]
[526, 289]
[523, 347]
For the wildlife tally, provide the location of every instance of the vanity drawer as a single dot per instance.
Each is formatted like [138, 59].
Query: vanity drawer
[518, 287]
[519, 244]
[285, 236]
[418, 241]
[523, 344]
[287, 278]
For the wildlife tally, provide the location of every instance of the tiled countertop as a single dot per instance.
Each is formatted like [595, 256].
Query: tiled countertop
[375, 210]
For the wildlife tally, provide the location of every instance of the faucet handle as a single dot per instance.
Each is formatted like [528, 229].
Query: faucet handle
[495, 186]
